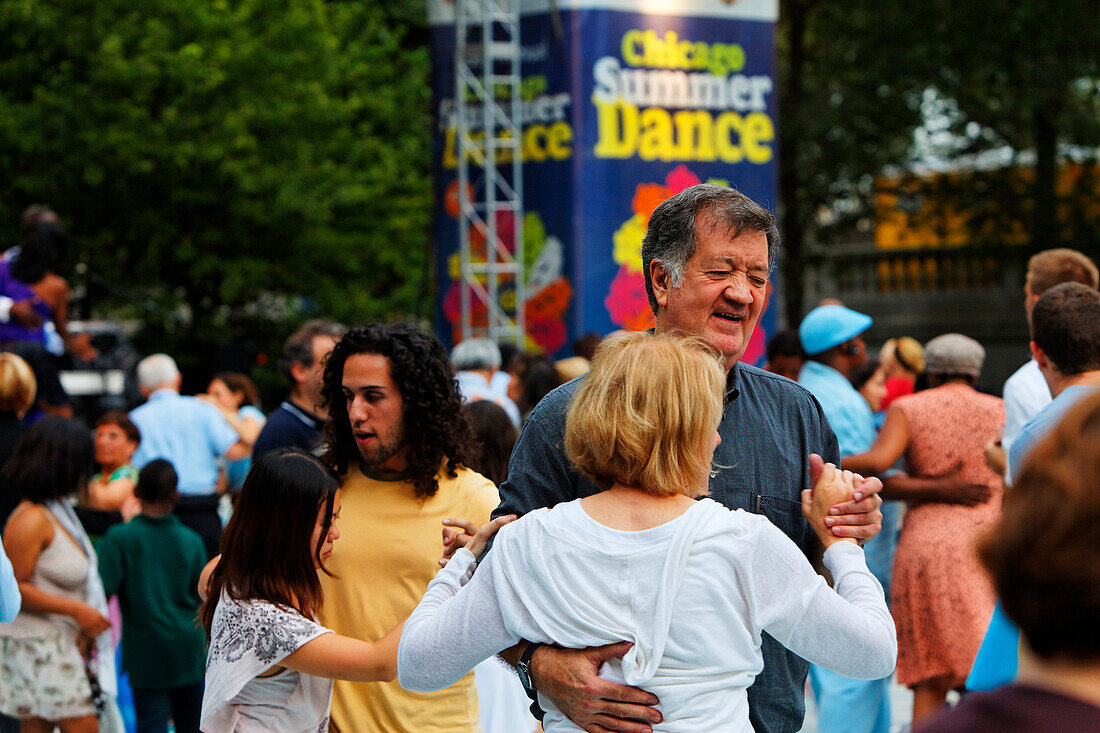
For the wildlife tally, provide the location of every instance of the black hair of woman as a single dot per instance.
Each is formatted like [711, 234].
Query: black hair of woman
[494, 430]
[266, 551]
[53, 459]
[45, 249]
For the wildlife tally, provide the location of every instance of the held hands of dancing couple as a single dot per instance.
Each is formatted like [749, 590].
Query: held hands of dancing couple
[857, 517]
[842, 506]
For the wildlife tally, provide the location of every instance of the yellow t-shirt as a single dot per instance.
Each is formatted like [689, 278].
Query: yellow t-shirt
[388, 551]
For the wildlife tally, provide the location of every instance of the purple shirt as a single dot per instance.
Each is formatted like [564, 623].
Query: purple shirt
[18, 291]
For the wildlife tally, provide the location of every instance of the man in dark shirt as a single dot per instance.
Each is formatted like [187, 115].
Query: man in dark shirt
[300, 420]
[707, 255]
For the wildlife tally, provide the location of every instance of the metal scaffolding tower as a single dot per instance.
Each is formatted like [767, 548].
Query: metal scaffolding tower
[490, 174]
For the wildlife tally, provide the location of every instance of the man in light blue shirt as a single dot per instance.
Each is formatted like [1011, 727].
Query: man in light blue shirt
[191, 435]
[832, 337]
[476, 362]
[1065, 342]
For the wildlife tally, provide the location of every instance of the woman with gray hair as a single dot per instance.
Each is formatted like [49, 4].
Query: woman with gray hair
[942, 598]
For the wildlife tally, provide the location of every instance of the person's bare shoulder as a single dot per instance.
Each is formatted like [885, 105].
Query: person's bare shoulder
[28, 525]
[52, 288]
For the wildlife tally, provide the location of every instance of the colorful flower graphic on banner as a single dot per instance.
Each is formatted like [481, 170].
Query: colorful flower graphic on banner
[548, 291]
[626, 301]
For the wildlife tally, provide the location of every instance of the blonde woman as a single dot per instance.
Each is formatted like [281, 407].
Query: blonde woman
[17, 388]
[902, 360]
[690, 584]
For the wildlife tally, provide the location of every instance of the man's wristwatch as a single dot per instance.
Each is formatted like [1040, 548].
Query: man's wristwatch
[523, 669]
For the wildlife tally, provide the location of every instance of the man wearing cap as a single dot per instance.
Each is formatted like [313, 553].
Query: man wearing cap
[832, 337]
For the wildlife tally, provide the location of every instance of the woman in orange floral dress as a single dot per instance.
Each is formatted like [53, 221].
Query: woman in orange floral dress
[942, 597]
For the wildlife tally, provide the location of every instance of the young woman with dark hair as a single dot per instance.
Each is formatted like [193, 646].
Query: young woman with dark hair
[50, 651]
[237, 400]
[270, 665]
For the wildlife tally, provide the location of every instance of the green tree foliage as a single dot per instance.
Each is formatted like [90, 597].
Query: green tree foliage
[859, 77]
[850, 78]
[244, 163]
[1025, 75]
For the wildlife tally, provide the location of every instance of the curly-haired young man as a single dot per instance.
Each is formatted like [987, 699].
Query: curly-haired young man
[399, 440]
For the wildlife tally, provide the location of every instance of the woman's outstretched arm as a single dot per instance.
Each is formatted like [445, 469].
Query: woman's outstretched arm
[889, 445]
[458, 622]
[344, 658]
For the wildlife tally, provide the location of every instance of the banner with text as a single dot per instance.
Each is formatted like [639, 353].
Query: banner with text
[621, 109]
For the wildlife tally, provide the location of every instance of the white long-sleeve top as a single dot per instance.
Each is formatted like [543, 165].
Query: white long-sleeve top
[693, 595]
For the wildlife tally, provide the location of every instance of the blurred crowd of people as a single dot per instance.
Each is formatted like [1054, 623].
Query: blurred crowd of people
[116, 489]
[917, 417]
[303, 539]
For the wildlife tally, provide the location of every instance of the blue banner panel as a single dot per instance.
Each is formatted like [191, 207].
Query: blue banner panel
[622, 109]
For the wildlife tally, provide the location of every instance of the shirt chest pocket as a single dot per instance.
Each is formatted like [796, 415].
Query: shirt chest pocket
[784, 514]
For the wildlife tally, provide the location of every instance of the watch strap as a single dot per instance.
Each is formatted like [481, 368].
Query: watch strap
[525, 663]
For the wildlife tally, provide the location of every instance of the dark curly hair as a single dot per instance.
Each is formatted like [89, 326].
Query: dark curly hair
[435, 426]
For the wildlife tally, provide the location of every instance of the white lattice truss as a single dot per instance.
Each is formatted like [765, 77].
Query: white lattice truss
[490, 175]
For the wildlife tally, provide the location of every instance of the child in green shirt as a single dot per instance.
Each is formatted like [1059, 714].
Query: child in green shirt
[153, 564]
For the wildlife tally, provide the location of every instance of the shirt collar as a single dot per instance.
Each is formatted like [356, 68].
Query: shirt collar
[824, 371]
[303, 415]
[163, 393]
[732, 379]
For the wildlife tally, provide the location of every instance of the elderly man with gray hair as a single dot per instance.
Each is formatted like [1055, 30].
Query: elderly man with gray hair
[475, 362]
[191, 435]
[707, 257]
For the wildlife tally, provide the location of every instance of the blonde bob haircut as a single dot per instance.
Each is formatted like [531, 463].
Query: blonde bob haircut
[17, 384]
[645, 415]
